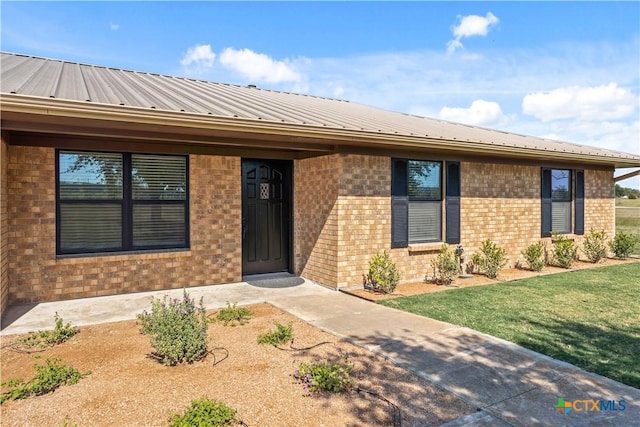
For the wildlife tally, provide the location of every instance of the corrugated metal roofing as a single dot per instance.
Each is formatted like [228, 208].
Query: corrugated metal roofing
[40, 77]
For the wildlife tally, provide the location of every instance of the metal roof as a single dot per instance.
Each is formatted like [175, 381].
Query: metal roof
[34, 77]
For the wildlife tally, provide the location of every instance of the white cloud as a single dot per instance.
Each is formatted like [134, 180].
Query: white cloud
[469, 26]
[114, 26]
[198, 59]
[431, 82]
[480, 113]
[608, 102]
[258, 66]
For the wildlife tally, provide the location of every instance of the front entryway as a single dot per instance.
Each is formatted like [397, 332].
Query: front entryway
[266, 200]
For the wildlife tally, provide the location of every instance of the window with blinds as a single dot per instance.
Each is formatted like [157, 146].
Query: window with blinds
[120, 202]
[561, 200]
[416, 199]
[424, 188]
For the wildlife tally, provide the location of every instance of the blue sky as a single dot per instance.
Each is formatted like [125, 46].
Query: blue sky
[562, 70]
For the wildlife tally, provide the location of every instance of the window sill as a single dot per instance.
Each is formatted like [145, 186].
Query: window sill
[566, 236]
[425, 247]
[124, 255]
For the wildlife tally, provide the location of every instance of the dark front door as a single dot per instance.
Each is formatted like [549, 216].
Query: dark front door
[266, 187]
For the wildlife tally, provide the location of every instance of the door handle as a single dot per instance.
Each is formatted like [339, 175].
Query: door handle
[244, 228]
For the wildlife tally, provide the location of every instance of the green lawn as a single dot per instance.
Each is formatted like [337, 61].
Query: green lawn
[628, 218]
[589, 318]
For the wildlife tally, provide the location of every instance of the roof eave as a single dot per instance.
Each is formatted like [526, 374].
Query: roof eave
[52, 107]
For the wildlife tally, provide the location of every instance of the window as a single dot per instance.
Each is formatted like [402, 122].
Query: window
[416, 202]
[559, 205]
[425, 201]
[120, 202]
[561, 200]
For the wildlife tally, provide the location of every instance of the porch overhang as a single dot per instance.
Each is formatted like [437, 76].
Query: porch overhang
[52, 116]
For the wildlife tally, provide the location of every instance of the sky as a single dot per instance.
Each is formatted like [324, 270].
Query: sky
[563, 70]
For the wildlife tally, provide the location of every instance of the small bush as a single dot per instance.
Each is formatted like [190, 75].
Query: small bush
[205, 412]
[332, 376]
[177, 329]
[623, 244]
[41, 339]
[49, 377]
[564, 250]
[68, 423]
[446, 266]
[281, 335]
[383, 274]
[534, 255]
[595, 245]
[232, 315]
[490, 259]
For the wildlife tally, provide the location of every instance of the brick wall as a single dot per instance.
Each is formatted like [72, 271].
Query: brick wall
[342, 217]
[4, 230]
[499, 202]
[599, 204]
[316, 218]
[35, 274]
[365, 214]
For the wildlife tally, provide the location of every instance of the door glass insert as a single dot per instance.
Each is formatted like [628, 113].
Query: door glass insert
[264, 191]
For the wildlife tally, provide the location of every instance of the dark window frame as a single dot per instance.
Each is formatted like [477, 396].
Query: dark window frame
[576, 198]
[567, 199]
[400, 196]
[127, 203]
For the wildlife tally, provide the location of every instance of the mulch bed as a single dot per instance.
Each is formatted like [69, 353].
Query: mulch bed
[506, 275]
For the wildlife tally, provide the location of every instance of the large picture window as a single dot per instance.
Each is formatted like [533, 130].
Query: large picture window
[121, 202]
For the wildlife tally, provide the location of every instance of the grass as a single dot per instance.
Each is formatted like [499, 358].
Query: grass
[628, 218]
[628, 202]
[589, 318]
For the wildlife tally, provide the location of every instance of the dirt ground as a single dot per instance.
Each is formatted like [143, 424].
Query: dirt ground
[508, 274]
[128, 388]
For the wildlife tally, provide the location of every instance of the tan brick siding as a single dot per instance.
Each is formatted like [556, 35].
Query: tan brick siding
[499, 202]
[342, 217]
[315, 218]
[36, 274]
[599, 204]
[4, 228]
[365, 214]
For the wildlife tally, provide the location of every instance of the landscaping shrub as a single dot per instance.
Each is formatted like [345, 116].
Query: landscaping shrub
[177, 329]
[205, 412]
[534, 255]
[281, 335]
[232, 315]
[49, 377]
[623, 244]
[41, 339]
[328, 375]
[564, 250]
[446, 266]
[490, 259]
[595, 245]
[383, 274]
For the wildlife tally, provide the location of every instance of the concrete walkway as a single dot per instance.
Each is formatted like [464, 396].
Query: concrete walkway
[509, 384]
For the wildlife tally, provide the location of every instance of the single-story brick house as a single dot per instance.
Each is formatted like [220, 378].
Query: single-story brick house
[116, 181]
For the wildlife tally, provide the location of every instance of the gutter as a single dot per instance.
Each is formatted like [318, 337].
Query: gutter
[54, 107]
[625, 176]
